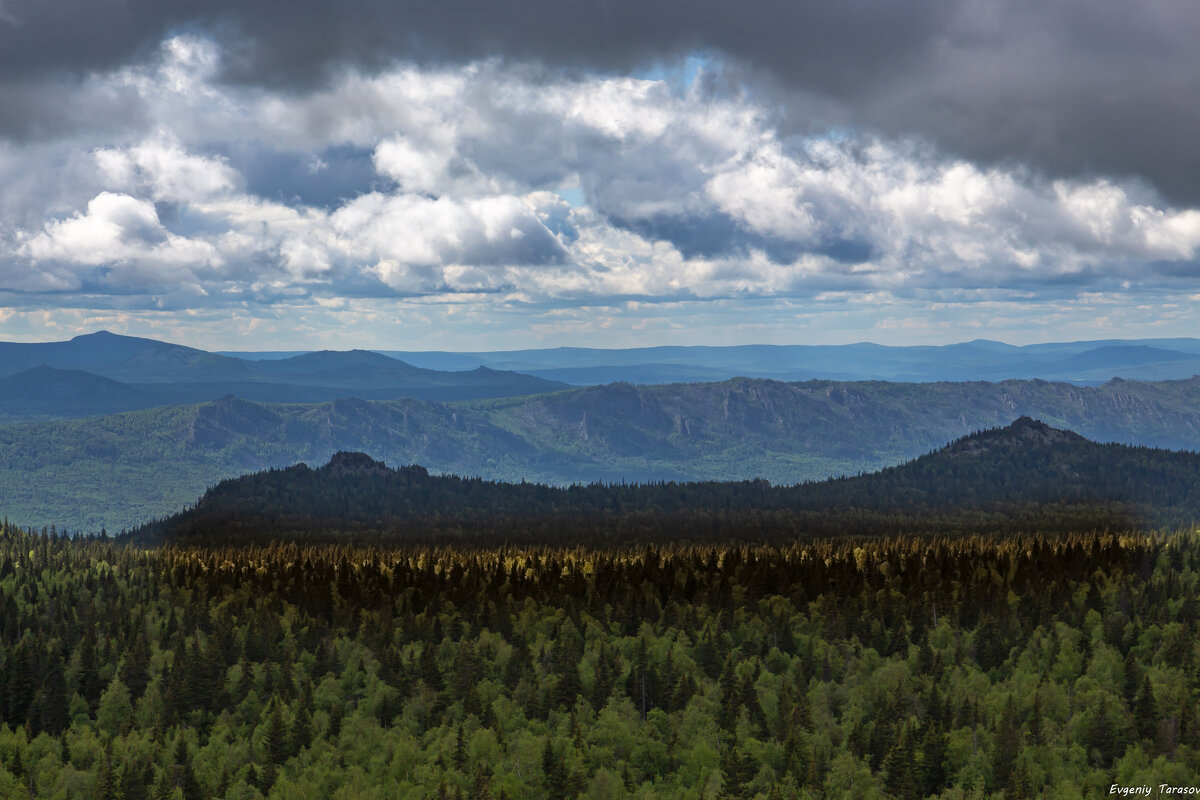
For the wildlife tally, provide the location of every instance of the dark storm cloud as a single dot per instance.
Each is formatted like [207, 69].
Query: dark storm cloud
[712, 235]
[322, 179]
[1073, 87]
[295, 42]
[39, 38]
[33, 109]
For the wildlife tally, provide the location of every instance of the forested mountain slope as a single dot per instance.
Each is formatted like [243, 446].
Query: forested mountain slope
[121, 470]
[48, 392]
[1025, 477]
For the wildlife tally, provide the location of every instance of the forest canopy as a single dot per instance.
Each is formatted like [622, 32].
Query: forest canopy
[905, 667]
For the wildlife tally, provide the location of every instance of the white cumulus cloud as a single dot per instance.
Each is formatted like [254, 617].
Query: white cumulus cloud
[677, 194]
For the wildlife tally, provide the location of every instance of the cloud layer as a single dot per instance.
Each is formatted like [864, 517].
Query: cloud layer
[1075, 88]
[499, 184]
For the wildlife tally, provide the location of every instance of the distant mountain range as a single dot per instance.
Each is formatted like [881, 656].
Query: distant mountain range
[103, 373]
[1075, 362]
[1026, 477]
[121, 470]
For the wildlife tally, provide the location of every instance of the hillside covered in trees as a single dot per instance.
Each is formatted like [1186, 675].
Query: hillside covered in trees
[1026, 477]
[122, 470]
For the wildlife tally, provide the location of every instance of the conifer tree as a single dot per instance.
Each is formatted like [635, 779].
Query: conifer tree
[1145, 710]
[107, 783]
[460, 749]
[54, 714]
[135, 664]
[87, 680]
[275, 743]
[1037, 731]
[900, 773]
[1006, 747]
[554, 773]
[931, 766]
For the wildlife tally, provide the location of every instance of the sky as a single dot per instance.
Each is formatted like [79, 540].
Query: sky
[484, 175]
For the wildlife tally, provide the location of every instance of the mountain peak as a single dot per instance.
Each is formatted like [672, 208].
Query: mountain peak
[104, 335]
[1022, 432]
[1025, 423]
[344, 462]
[40, 371]
[1029, 429]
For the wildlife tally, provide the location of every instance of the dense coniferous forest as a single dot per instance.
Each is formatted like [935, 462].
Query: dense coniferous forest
[904, 667]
